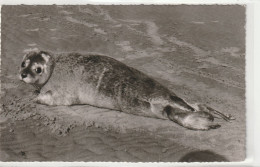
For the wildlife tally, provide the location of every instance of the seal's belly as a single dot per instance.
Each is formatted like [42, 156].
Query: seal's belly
[90, 95]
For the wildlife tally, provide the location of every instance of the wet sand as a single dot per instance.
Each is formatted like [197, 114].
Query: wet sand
[30, 141]
[198, 52]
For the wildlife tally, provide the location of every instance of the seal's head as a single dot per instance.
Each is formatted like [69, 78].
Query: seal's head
[36, 68]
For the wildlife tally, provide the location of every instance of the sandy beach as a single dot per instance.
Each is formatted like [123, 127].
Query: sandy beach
[198, 52]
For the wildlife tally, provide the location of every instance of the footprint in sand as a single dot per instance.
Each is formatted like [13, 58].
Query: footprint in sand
[198, 22]
[73, 20]
[86, 10]
[32, 30]
[30, 49]
[151, 30]
[65, 12]
[198, 52]
[90, 25]
[233, 51]
[100, 31]
[25, 15]
[31, 44]
[125, 45]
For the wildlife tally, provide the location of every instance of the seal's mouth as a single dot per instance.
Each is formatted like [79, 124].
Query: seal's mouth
[20, 77]
[22, 81]
[26, 79]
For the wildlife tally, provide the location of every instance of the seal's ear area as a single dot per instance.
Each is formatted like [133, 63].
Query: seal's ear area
[25, 56]
[45, 55]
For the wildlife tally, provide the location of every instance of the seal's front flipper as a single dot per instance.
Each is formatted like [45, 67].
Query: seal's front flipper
[192, 120]
[45, 98]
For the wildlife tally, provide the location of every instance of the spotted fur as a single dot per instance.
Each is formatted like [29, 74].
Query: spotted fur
[70, 79]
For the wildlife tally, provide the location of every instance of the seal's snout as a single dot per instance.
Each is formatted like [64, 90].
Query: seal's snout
[23, 75]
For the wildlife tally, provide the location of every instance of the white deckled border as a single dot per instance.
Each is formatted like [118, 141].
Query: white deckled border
[252, 82]
[122, 2]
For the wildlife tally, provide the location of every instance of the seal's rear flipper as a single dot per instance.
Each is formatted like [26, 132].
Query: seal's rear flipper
[191, 120]
[215, 113]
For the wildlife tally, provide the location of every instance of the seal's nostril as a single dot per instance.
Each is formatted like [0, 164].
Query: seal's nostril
[24, 75]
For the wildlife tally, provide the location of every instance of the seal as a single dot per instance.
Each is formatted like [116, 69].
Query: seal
[101, 81]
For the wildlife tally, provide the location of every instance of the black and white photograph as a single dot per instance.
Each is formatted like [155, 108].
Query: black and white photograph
[123, 83]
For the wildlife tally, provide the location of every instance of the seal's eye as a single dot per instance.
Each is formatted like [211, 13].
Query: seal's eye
[23, 64]
[38, 70]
